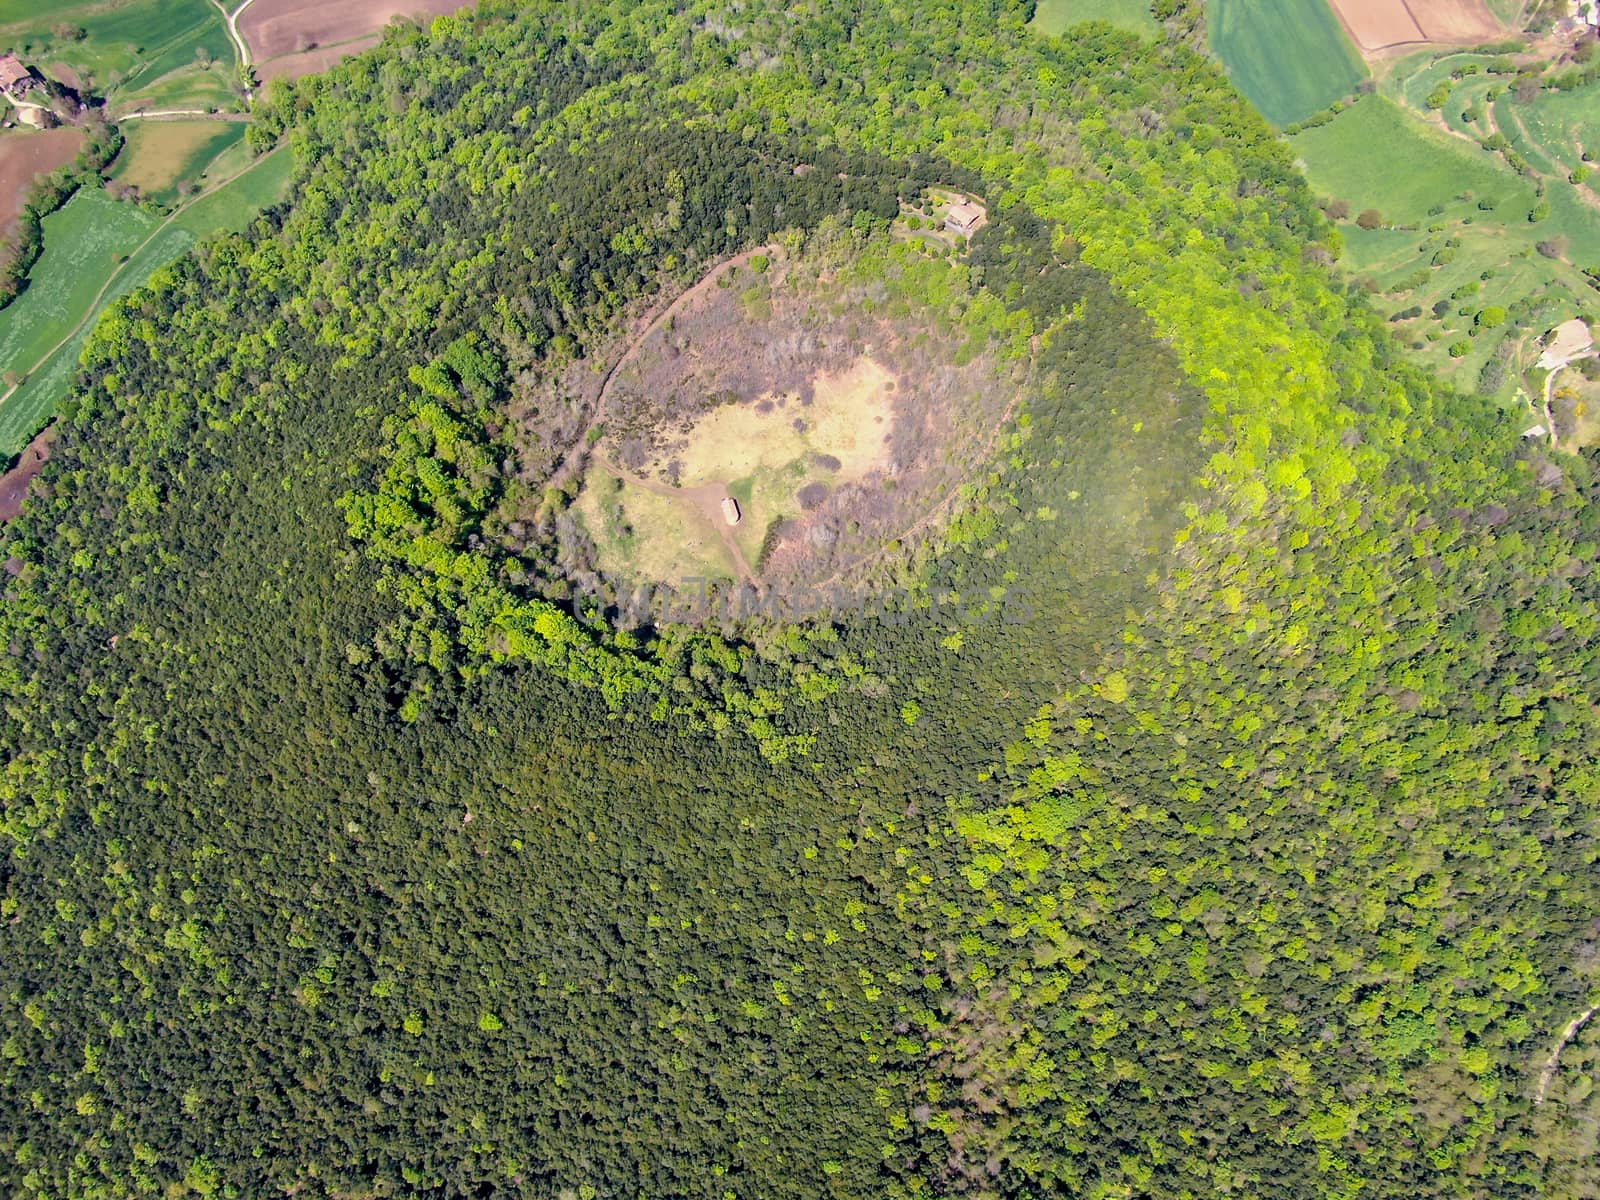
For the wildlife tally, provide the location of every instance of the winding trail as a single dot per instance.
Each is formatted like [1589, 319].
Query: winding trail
[1547, 1075]
[706, 498]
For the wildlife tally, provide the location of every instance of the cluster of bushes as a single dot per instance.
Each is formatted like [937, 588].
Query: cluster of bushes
[1326, 115]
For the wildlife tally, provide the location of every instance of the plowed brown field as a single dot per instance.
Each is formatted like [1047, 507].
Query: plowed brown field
[25, 155]
[281, 27]
[1378, 25]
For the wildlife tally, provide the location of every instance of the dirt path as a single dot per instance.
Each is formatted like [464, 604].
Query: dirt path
[239, 44]
[94, 304]
[1547, 1076]
[1549, 420]
[177, 113]
[685, 297]
[706, 499]
[572, 461]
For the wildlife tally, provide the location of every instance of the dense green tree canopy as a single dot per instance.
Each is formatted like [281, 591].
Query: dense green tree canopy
[1213, 814]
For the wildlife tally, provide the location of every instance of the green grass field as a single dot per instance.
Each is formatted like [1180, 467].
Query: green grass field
[1053, 17]
[83, 243]
[228, 208]
[1374, 155]
[1292, 58]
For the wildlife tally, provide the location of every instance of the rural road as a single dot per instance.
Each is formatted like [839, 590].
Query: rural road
[239, 44]
[175, 113]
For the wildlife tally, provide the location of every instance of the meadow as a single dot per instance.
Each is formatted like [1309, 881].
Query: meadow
[1055, 17]
[94, 221]
[1376, 156]
[160, 156]
[84, 242]
[1292, 58]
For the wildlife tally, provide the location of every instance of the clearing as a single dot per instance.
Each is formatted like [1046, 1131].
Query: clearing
[24, 156]
[15, 482]
[840, 403]
[1292, 58]
[164, 158]
[1054, 17]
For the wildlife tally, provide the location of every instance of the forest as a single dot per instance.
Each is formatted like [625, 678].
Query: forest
[1202, 804]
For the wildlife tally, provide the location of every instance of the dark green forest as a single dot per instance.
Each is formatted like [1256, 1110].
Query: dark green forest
[1205, 806]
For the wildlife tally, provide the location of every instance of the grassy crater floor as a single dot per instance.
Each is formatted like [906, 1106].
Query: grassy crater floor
[840, 403]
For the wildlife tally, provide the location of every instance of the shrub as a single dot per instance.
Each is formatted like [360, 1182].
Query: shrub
[1460, 349]
[1490, 317]
[1370, 218]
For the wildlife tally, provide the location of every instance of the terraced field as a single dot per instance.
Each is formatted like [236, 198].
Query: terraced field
[1484, 200]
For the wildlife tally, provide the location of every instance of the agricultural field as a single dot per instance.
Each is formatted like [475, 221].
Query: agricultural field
[290, 38]
[1054, 17]
[26, 154]
[1381, 26]
[1456, 231]
[113, 248]
[164, 159]
[84, 242]
[1374, 155]
[1292, 58]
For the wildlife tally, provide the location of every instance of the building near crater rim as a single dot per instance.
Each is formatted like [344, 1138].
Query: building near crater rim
[967, 218]
[15, 79]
